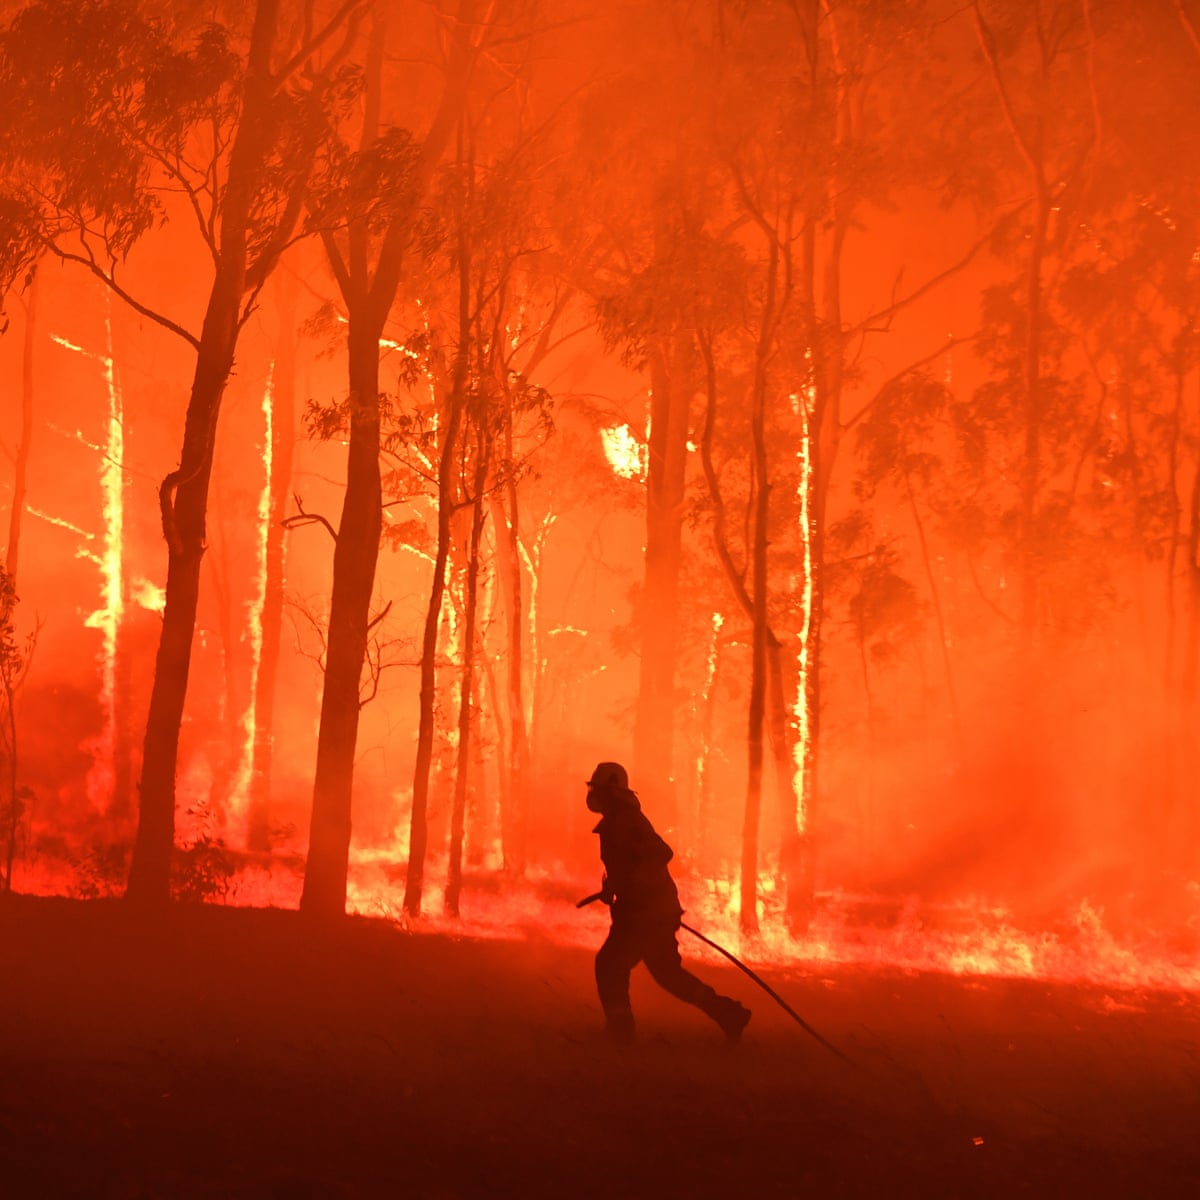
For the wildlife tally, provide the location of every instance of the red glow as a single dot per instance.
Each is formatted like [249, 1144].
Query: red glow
[945, 398]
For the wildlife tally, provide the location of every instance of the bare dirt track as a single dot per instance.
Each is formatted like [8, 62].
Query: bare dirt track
[240, 1053]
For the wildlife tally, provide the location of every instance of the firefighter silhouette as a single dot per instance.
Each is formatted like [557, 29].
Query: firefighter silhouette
[645, 910]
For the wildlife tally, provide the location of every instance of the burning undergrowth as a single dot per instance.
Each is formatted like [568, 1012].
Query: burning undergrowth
[1085, 945]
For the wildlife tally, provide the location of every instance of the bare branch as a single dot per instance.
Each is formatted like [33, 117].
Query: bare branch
[109, 279]
[896, 306]
[307, 518]
[987, 43]
[387, 608]
[912, 367]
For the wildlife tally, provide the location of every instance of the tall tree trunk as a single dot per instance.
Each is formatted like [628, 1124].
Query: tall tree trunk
[184, 492]
[514, 797]
[419, 827]
[418, 840]
[355, 556]
[705, 809]
[11, 559]
[777, 721]
[369, 293]
[25, 437]
[462, 770]
[184, 498]
[939, 615]
[658, 607]
[13, 808]
[1030, 149]
[282, 451]
[758, 595]
[356, 549]
[1191, 651]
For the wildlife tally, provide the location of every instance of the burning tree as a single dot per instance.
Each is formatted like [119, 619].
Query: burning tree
[371, 194]
[116, 112]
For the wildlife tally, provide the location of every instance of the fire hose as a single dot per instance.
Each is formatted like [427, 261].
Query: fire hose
[762, 983]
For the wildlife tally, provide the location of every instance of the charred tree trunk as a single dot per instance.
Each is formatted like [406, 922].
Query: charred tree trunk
[356, 550]
[184, 493]
[419, 828]
[355, 556]
[184, 500]
[369, 293]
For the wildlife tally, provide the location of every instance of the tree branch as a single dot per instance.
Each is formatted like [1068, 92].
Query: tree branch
[896, 306]
[314, 43]
[307, 518]
[945, 348]
[110, 281]
[987, 43]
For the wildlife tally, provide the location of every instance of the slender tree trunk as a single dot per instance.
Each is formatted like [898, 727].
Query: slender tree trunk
[1176, 516]
[1031, 150]
[11, 558]
[758, 595]
[777, 722]
[658, 608]
[704, 802]
[758, 676]
[25, 437]
[14, 805]
[184, 527]
[184, 492]
[419, 828]
[462, 770]
[1191, 652]
[369, 293]
[356, 550]
[355, 556]
[936, 596]
[1030, 554]
[494, 819]
[515, 783]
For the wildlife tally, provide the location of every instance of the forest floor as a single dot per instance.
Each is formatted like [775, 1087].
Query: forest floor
[220, 1052]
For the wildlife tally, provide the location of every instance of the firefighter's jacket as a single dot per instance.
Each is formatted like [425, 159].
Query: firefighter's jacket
[636, 881]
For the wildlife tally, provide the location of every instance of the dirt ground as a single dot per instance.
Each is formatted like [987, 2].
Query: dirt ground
[240, 1053]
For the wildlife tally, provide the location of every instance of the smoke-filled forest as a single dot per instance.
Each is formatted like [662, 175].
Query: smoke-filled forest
[407, 405]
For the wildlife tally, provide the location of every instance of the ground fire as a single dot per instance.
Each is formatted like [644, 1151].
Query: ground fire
[408, 406]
